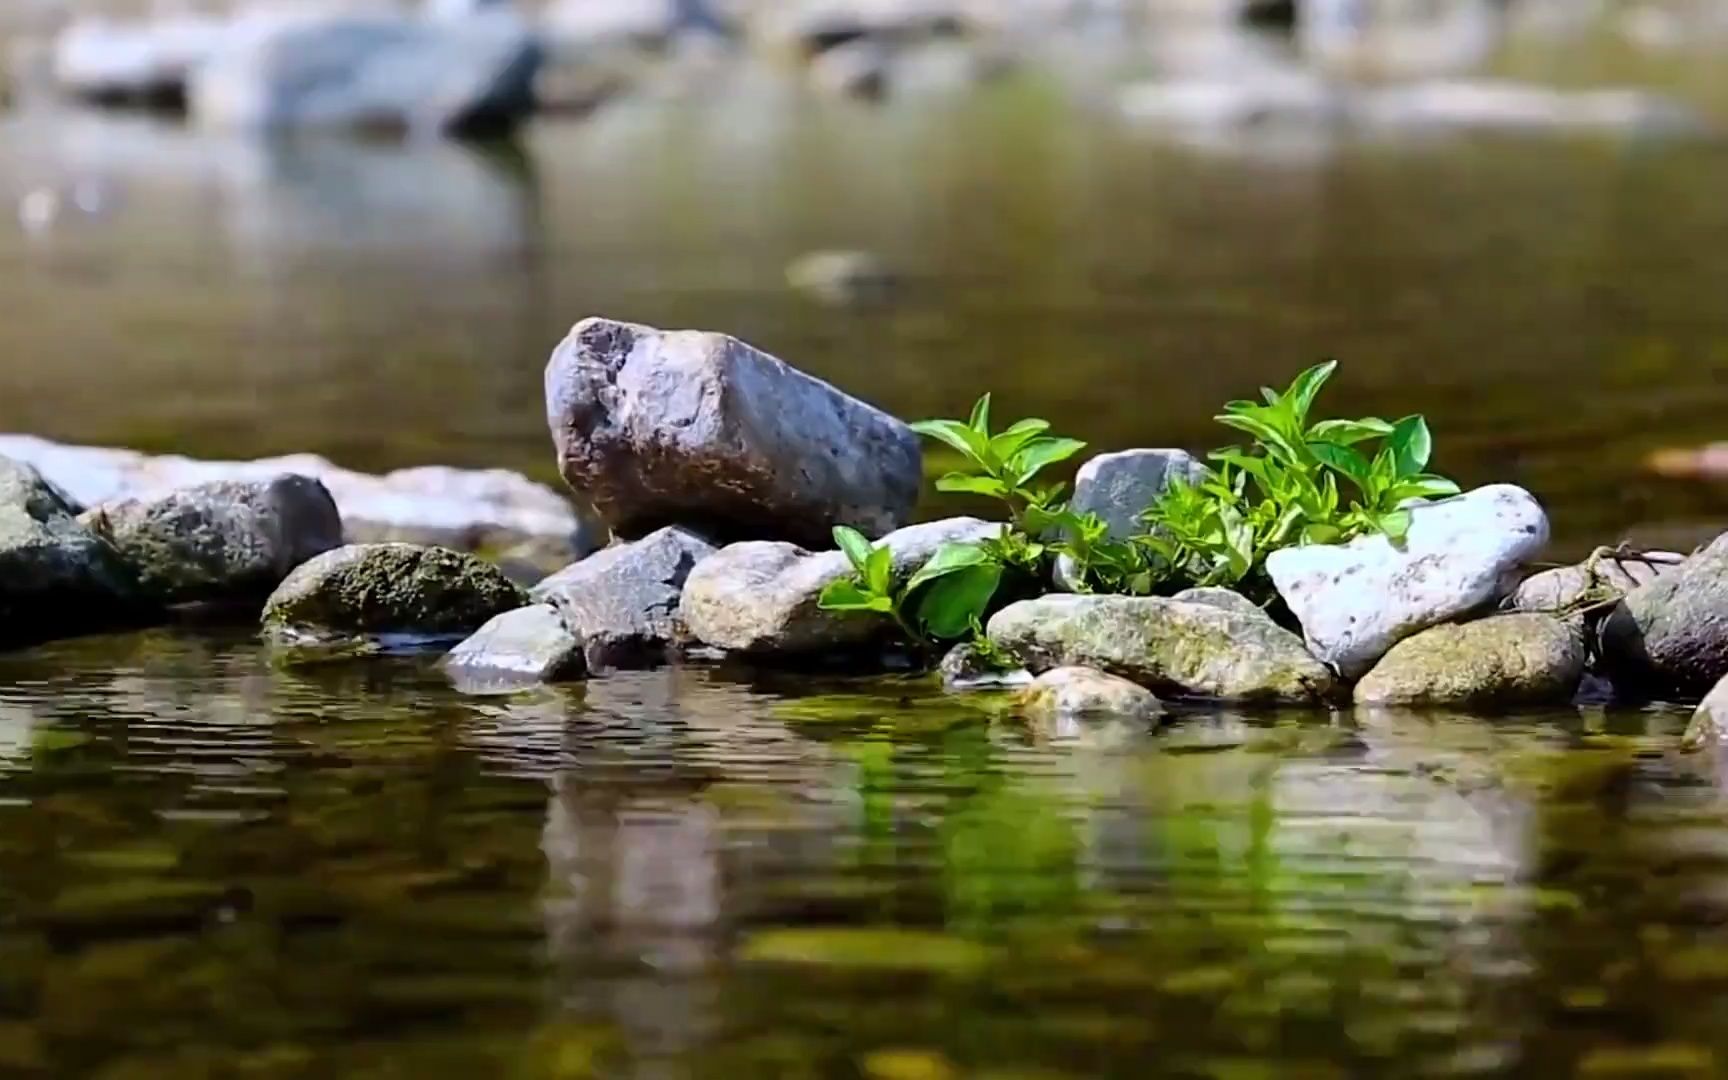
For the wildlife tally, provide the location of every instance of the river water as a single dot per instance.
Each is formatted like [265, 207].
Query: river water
[213, 867]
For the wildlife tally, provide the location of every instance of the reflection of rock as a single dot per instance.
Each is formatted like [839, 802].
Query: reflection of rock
[1483, 104]
[433, 504]
[369, 71]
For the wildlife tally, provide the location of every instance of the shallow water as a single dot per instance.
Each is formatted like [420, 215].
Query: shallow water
[213, 867]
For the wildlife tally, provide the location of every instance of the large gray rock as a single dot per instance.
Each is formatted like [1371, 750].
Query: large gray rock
[1170, 646]
[431, 504]
[1669, 638]
[623, 601]
[1709, 726]
[56, 576]
[1357, 600]
[685, 427]
[1120, 487]
[228, 540]
[1517, 659]
[525, 647]
[366, 590]
[762, 596]
[1066, 693]
[279, 69]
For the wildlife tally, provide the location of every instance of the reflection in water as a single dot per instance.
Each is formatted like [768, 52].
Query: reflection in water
[682, 874]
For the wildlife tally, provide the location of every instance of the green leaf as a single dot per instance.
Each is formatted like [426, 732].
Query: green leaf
[950, 558]
[954, 602]
[1042, 452]
[855, 545]
[956, 435]
[1350, 432]
[1261, 429]
[1396, 525]
[980, 421]
[845, 595]
[1411, 445]
[879, 571]
[965, 483]
[1007, 444]
[1422, 486]
[1346, 460]
[1306, 385]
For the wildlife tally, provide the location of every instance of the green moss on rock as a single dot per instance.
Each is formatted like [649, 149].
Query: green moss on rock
[367, 589]
[1521, 659]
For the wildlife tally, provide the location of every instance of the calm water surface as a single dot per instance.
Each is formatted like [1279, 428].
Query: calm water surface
[213, 867]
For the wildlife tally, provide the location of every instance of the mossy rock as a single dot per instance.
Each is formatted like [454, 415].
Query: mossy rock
[1521, 659]
[389, 589]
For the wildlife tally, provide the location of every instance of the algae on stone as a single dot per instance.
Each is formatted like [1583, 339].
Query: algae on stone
[1517, 659]
[366, 589]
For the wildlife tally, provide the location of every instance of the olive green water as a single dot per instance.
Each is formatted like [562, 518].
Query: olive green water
[210, 867]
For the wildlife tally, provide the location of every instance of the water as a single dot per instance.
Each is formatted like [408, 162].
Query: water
[213, 867]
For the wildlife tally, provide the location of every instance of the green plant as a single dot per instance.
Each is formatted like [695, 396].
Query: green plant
[1001, 466]
[941, 600]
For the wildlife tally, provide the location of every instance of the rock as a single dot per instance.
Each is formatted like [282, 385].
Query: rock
[1594, 581]
[1669, 638]
[1517, 659]
[139, 64]
[369, 70]
[623, 601]
[1710, 723]
[588, 24]
[816, 26]
[519, 648]
[460, 508]
[1223, 599]
[1169, 646]
[843, 278]
[56, 576]
[697, 429]
[1708, 462]
[857, 69]
[1119, 487]
[964, 668]
[1356, 600]
[226, 540]
[760, 597]
[1069, 692]
[1500, 105]
[393, 590]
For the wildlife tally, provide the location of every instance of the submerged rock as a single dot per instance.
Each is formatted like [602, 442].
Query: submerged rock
[623, 602]
[761, 597]
[1169, 646]
[843, 278]
[1670, 637]
[525, 647]
[685, 427]
[1517, 659]
[56, 576]
[965, 667]
[227, 540]
[857, 69]
[433, 504]
[388, 589]
[1120, 487]
[1356, 600]
[1709, 726]
[1071, 692]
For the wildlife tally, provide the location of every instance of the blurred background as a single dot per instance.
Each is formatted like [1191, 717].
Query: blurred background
[1508, 214]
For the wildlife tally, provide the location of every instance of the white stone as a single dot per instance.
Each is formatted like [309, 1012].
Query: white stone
[1357, 600]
